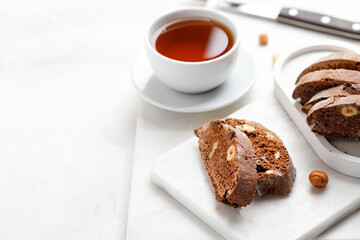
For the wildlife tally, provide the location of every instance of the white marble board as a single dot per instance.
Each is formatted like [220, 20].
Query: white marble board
[305, 213]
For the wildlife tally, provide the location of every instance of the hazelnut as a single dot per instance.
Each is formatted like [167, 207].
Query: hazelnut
[272, 172]
[245, 128]
[269, 136]
[231, 153]
[215, 145]
[263, 39]
[307, 106]
[318, 178]
[349, 111]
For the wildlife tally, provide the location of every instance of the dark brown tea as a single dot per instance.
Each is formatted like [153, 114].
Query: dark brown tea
[194, 40]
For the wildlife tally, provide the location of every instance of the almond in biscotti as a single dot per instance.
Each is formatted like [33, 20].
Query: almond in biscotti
[339, 60]
[229, 160]
[275, 170]
[336, 117]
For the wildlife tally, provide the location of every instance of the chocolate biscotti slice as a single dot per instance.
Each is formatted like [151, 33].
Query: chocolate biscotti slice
[229, 160]
[336, 117]
[344, 90]
[337, 60]
[317, 81]
[275, 170]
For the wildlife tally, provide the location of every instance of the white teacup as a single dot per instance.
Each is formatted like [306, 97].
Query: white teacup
[192, 77]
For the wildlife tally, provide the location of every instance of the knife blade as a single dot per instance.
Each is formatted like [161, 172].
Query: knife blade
[297, 17]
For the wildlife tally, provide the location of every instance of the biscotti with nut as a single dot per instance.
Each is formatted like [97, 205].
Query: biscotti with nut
[336, 117]
[339, 91]
[339, 60]
[275, 170]
[229, 160]
[317, 81]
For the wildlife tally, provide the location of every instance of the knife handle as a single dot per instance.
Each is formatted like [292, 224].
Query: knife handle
[319, 22]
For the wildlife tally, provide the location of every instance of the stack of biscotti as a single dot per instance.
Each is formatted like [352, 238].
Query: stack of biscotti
[329, 91]
[242, 157]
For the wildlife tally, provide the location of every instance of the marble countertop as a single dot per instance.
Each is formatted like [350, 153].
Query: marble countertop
[75, 136]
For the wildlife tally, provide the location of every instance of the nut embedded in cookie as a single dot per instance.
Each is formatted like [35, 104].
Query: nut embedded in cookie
[349, 111]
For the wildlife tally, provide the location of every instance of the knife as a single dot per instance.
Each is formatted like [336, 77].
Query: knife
[297, 17]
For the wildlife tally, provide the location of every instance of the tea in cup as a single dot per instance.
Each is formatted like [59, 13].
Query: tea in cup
[192, 50]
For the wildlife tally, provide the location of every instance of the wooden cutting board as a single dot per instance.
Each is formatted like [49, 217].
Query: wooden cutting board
[303, 214]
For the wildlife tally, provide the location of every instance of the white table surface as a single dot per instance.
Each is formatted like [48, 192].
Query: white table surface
[154, 214]
[70, 119]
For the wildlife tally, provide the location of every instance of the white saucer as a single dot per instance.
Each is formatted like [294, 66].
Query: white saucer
[155, 92]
